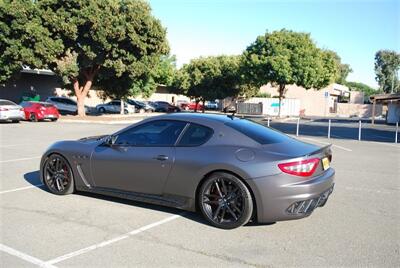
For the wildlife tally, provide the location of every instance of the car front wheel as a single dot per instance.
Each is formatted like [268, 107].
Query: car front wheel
[225, 201]
[57, 175]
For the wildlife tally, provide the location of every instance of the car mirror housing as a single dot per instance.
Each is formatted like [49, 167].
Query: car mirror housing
[110, 140]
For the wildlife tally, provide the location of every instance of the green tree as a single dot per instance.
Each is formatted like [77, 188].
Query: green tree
[114, 45]
[23, 39]
[387, 64]
[357, 86]
[285, 57]
[209, 78]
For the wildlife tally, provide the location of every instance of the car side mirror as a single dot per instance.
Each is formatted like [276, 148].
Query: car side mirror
[110, 140]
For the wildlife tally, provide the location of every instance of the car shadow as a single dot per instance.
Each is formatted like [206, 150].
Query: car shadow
[34, 179]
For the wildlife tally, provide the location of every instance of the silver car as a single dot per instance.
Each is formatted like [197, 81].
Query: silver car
[115, 107]
[232, 170]
[65, 105]
[10, 111]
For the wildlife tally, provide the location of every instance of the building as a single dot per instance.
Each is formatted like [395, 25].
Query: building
[333, 100]
[392, 101]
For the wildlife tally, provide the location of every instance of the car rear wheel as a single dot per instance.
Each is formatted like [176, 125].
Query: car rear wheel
[102, 110]
[32, 117]
[225, 201]
[57, 175]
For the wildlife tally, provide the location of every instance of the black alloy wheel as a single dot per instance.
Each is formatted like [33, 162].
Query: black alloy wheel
[225, 201]
[57, 175]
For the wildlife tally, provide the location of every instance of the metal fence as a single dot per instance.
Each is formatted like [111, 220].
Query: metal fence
[249, 108]
[338, 129]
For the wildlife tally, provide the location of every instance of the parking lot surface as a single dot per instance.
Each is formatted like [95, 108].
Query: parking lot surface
[359, 226]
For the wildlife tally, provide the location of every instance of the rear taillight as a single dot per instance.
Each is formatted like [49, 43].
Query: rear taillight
[22, 109]
[303, 168]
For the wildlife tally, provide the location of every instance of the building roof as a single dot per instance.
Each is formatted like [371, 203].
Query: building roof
[385, 97]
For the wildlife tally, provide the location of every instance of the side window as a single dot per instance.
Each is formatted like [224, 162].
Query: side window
[70, 102]
[155, 133]
[196, 135]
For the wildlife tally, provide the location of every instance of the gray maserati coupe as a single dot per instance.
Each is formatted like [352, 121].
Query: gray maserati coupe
[232, 170]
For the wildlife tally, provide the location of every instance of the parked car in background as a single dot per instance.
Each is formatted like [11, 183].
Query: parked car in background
[36, 111]
[141, 107]
[211, 105]
[181, 103]
[231, 108]
[10, 111]
[65, 105]
[165, 107]
[192, 106]
[115, 107]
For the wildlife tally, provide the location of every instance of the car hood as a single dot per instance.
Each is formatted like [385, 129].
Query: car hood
[93, 138]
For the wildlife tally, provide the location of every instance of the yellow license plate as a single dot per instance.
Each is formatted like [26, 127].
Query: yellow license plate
[325, 163]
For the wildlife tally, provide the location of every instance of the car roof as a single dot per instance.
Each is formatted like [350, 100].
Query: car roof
[199, 117]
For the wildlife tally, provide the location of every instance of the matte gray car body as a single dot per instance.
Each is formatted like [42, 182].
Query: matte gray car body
[133, 172]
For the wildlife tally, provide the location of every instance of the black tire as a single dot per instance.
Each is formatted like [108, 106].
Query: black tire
[126, 111]
[102, 110]
[57, 175]
[32, 117]
[15, 121]
[225, 201]
[54, 119]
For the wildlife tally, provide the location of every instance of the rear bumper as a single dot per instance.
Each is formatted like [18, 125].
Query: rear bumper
[279, 202]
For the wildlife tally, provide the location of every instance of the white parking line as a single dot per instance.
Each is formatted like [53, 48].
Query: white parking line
[326, 143]
[24, 256]
[20, 189]
[111, 241]
[19, 159]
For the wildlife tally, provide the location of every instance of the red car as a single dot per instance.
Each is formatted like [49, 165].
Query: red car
[35, 111]
[192, 106]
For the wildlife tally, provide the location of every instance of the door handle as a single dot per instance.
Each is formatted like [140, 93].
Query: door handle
[161, 157]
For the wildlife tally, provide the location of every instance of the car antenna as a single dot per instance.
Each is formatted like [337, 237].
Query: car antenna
[232, 115]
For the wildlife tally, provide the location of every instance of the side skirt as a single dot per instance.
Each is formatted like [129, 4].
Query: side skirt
[164, 200]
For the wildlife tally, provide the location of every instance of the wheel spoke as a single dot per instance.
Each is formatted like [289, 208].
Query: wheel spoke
[218, 189]
[217, 212]
[224, 189]
[232, 213]
[222, 215]
[211, 202]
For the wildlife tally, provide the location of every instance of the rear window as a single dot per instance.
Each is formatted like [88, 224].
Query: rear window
[257, 132]
[6, 102]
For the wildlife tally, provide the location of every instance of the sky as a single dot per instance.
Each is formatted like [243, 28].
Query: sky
[356, 29]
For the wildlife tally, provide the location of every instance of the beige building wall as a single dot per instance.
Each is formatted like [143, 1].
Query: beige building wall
[358, 110]
[322, 102]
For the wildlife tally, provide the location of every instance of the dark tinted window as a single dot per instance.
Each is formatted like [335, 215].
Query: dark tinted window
[257, 132]
[155, 133]
[25, 104]
[195, 135]
[68, 101]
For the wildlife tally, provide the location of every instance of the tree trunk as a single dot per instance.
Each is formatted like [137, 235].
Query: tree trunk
[197, 103]
[204, 106]
[81, 91]
[281, 94]
[122, 108]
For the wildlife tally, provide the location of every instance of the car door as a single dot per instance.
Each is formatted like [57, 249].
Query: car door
[140, 159]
